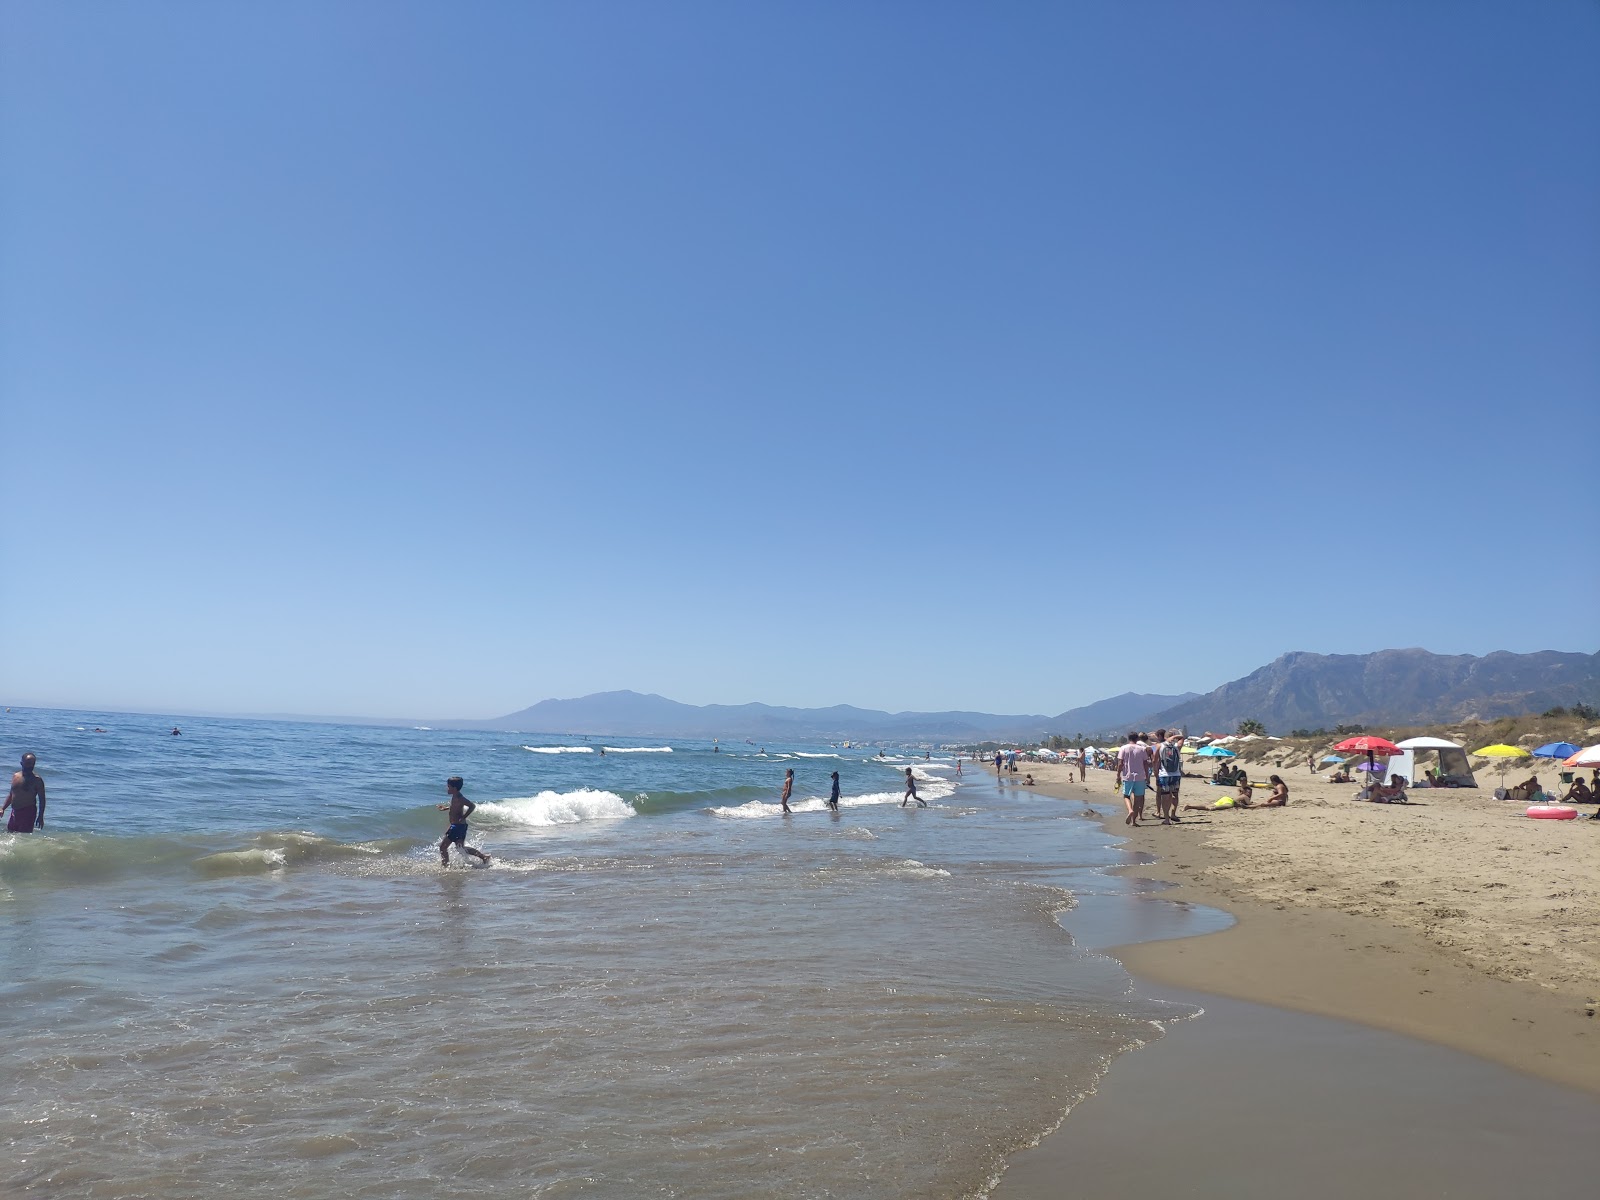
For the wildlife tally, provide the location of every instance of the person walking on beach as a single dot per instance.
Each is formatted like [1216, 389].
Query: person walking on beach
[833, 793]
[1083, 765]
[788, 787]
[25, 799]
[997, 764]
[911, 791]
[1169, 775]
[1133, 768]
[460, 809]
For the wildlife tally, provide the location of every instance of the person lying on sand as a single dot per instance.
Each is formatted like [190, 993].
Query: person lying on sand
[1342, 775]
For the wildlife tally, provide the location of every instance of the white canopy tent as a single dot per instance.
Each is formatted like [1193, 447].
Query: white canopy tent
[1453, 766]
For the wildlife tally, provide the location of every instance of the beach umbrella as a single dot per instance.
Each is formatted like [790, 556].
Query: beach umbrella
[1556, 750]
[1371, 744]
[1328, 758]
[1367, 742]
[1588, 757]
[1503, 753]
[1214, 752]
[1373, 768]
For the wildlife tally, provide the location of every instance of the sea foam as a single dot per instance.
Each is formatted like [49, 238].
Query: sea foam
[553, 808]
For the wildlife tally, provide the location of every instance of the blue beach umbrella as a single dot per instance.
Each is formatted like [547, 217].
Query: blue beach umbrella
[1556, 750]
[1327, 758]
[1219, 752]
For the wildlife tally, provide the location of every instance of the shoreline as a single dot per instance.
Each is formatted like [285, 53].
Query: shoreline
[1330, 963]
[1350, 1054]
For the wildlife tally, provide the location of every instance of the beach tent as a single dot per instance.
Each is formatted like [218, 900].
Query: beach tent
[1453, 766]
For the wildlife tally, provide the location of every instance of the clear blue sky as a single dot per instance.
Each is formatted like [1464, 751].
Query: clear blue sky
[434, 359]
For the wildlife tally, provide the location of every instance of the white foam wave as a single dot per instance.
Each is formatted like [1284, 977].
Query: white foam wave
[911, 868]
[804, 754]
[554, 808]
[638, 749]
[559, 749]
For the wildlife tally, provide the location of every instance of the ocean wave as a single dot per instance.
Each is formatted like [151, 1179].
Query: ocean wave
[804, 754]
[553, 808]
[559, 749]
[80, 857]
[638, 749]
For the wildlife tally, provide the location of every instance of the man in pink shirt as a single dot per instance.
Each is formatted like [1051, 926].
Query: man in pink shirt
[1133, 768]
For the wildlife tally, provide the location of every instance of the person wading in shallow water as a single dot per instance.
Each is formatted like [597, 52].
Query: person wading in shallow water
[1133, 767]
[788, 787]
[25, 800]
[911, 791]
[460, 809]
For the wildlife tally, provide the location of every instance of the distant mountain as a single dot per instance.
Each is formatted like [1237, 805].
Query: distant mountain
[1402, 687]
[1113, 715]
[631, 714]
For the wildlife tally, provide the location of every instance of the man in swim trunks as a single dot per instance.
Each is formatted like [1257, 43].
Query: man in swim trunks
[1133, 768]
[911, 792]
[25, 800]
[460, 809]
[788, 788]
[1169, 775]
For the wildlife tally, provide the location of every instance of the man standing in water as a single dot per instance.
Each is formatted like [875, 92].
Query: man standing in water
[788, 787]
[833, 794]
[911, 791]
[460, 809]
[25, 800]
[1133, 768]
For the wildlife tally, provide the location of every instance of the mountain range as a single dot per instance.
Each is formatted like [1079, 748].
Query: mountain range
[1296, 690]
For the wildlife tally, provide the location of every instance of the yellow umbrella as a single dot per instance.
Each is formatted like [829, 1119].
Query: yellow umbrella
[1504, 753]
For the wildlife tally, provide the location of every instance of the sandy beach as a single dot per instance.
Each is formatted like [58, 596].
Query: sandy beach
[1454, 918]
[1454, 921]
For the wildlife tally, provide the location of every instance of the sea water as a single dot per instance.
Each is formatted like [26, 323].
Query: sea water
[232, 964]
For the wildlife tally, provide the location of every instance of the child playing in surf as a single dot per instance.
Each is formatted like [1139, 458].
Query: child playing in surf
[911, 791]
[460, 809]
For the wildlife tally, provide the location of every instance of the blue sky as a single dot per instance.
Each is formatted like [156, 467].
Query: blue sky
[433, 359]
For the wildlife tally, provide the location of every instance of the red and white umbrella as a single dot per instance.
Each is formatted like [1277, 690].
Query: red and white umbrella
[1587, 757]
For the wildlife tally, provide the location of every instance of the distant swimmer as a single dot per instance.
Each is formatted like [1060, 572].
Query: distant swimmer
[602, 751]
[176, 732]
[927, 755]
[788, 787]
[833, 795]
[911, 791]
[460, 809]
[25, 800]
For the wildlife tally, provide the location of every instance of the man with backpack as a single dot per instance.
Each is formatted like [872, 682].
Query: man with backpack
[1169, 774]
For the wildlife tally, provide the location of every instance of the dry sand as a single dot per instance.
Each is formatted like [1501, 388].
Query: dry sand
[1455, 918]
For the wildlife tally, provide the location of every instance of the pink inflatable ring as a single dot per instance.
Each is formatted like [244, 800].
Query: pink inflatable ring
[1552, 812]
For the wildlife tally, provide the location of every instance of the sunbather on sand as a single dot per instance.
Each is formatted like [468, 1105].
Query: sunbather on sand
[1393, 793]
[1241, 800]
[1340, 776]
[1280, 793]
[1525, 790]
[1579, 793]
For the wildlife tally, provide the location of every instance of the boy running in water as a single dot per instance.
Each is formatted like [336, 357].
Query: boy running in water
[460, 809]
[911, 791]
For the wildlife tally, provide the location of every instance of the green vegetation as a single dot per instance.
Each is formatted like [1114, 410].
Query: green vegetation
[1249, 726]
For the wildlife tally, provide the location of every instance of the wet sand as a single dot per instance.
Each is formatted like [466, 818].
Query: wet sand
[1340, 1053]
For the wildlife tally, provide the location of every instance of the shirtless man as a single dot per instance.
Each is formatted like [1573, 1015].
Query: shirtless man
[460, 809]
[25, 800]
[788, 788]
